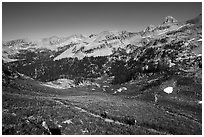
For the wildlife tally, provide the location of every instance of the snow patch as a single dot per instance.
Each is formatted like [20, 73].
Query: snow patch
[60, 84]
[84, 131]
[171, 64]
[26, 77]
[199, 102]
[96, 84]
[105, 86]
[101, 52]
[191, 40]
[66, 54]
[109, 120]
[168, 90]
[69, 121]
[120, 90]
[67, 83]
[53, 86]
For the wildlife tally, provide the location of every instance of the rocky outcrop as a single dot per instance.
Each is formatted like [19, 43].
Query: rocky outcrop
[169, 19]
[149, 28]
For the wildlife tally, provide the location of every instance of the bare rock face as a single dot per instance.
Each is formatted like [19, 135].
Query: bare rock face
[169, 19]
[150, 28]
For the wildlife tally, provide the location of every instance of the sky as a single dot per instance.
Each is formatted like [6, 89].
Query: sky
[35, 21]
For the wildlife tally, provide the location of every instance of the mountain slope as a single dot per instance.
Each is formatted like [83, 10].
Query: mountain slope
[173, 45]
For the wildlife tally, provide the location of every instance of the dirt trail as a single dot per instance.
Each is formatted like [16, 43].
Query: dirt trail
[110, 120]
[190, 118]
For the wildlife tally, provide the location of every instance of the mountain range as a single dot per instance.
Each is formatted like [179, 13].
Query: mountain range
[172, 42]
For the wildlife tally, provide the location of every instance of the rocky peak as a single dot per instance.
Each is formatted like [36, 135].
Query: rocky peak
[149, 28]
[51, 40]
[92, 35]
[169, 19]
[80, 36]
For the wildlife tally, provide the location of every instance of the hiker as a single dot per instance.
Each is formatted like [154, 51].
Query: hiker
[156, 98]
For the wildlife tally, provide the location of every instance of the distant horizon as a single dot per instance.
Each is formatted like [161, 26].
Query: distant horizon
[34, 20]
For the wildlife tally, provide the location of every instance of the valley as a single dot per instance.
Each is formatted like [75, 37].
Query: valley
[80, 111]
[111, 83]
